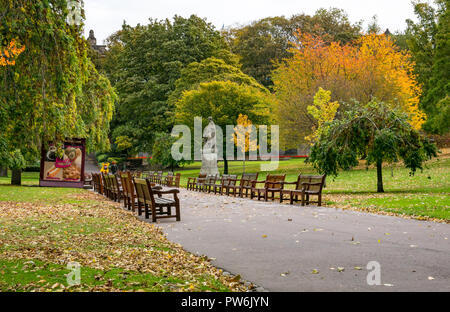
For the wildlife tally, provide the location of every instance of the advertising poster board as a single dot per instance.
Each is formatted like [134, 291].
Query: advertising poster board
[65, 171]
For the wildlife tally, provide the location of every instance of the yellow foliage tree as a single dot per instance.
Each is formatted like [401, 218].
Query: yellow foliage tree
[323, 111]
[242, 136]
[370, 67]
[9, 53]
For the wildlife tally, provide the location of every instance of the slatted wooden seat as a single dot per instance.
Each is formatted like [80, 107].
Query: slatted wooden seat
[158, 177]
[174, 181]
[128, 191]
[272, 184]
[209, 184]
[193, 183]
[312, 185]
[151, 200]
[167, 179]
[245, 185]
[95, 182]
[297, 187]
[108, 187]
[224, 183]
[101, 184]
[115, 188]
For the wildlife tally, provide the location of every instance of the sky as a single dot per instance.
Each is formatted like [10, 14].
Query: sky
[107, 16]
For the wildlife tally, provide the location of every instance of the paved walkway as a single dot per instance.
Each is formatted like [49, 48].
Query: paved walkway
[278, 246]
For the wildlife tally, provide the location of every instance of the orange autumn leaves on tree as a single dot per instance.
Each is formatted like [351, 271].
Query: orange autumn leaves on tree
[9, 53]
[372, 66]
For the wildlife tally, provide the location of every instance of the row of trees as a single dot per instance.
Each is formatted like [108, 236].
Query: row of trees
[169, 71]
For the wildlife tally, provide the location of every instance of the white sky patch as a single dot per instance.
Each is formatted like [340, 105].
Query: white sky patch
[107, 16]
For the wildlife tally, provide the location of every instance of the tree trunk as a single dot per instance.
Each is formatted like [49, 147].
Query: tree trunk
[380, 177]
[3, 171]
[225, 165]
[16, 177]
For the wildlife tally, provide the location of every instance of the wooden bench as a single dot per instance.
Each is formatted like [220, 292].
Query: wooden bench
[209, 184]
[245, 184]
[174, 181]
[310, 185]
[115, 188]
[156, 206]
[225, 182]
[106, 183]
[272, 184]
[193, 181]
[128, 191]
[167, 179]
[297, 187]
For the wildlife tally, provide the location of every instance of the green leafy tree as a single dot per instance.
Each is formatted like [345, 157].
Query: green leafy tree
[437, 98]
[143, 64]
[161, 151]
[373, 132]
[51, 90]
[266, 41]
[428, 41]
[223, 101]
[211, 69]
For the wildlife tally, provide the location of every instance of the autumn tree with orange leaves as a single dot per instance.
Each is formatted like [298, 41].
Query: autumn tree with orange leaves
[9, 53]
[370, 67]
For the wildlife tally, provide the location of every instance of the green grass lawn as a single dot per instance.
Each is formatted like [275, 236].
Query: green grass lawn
[44, 229]
[424, 194]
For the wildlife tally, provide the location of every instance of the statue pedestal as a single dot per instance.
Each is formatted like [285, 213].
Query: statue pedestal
[209, 164]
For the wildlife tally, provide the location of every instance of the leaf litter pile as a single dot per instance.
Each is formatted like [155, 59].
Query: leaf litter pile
[116, 251]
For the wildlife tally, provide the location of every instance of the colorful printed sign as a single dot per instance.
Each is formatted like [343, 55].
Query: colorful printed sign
[68, 167]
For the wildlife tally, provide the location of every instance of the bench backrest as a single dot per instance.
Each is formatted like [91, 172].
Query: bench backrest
[114, 183]
[230, 180]
[318, 180]
[211, 179]
[140, 185]
[273, 180]
[247, 179]
[176, 181]
[125, 184]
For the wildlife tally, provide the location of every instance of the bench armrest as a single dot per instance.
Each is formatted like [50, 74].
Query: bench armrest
[257, 182]
[288, 182]
[171, 191]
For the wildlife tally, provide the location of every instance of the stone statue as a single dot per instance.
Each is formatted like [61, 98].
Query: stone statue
[209, 152]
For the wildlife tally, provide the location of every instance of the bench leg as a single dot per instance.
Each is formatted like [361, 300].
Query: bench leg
[153, 208]
[177, 209]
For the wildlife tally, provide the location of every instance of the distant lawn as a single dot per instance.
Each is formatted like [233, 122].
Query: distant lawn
[425, 194]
